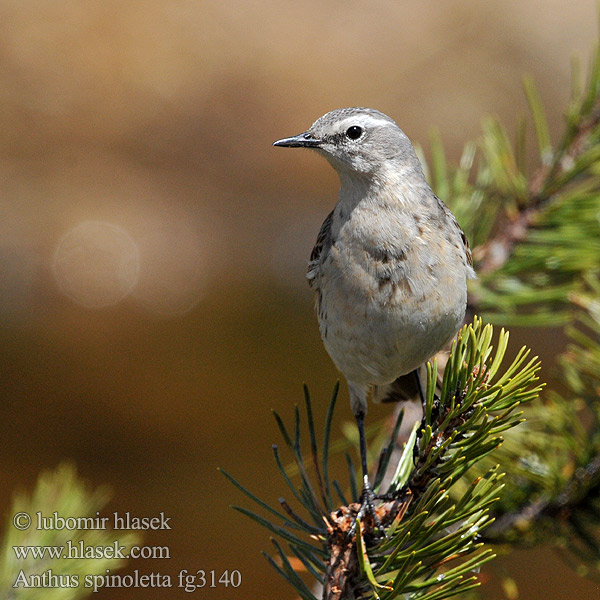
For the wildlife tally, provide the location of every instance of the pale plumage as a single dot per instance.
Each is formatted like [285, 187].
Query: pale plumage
[390, 264]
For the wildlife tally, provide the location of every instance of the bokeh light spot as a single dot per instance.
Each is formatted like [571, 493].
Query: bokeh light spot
[96, 264]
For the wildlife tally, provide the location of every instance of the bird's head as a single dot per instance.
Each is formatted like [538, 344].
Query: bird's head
[360, 141]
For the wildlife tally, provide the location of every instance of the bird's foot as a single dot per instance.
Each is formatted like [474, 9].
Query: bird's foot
[394, 496]
[367, 511]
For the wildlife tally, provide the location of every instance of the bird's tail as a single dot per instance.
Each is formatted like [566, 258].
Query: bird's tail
[403, 389]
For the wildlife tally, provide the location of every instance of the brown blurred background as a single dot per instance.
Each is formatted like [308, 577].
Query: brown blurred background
[153, 244]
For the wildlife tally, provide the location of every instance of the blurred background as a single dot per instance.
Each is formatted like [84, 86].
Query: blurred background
[153, 244]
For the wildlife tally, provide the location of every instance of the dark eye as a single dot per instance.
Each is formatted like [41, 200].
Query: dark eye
[354, 132]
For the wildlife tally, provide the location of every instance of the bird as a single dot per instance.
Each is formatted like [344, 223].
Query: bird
[390, 264]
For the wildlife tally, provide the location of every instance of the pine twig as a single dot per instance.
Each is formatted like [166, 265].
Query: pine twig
[575, 493]
[431, 546]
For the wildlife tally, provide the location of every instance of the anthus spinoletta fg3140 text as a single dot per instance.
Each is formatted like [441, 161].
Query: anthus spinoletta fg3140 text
[390, 265]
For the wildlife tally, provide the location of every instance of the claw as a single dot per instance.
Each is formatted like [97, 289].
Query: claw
[367, 509]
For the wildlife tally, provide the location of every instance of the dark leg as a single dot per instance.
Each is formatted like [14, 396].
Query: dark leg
[420, 387]
[367, 496]
[360, 422]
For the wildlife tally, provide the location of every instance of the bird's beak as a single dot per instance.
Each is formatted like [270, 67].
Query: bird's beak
[302, 140]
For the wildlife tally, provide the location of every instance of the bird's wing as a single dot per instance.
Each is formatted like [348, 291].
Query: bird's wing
[463, 237]
[323, 243]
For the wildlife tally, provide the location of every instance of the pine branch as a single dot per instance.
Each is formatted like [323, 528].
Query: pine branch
[534, 236]
[537, 251]
[552, 495]
[431, 548]
[574, 496]
[570, 161]
[59, 492]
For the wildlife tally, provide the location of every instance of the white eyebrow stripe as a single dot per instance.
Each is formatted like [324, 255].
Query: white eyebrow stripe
[366, 121]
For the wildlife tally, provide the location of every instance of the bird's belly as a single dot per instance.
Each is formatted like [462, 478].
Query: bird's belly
[377, 332]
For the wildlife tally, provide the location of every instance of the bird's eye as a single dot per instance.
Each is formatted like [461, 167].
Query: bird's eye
[354, 132]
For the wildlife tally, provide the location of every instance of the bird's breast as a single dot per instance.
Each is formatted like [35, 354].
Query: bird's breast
[390, 294]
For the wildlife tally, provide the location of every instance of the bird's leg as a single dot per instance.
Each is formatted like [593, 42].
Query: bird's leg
[367, 496]
[420, 388]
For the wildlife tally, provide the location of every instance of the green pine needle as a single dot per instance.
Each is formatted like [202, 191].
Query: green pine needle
[431, 551]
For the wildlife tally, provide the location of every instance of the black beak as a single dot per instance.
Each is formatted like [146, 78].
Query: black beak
[302, 140]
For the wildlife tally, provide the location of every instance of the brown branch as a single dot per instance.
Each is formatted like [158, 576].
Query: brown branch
[495, 252]
[343, 579]
[584, 484]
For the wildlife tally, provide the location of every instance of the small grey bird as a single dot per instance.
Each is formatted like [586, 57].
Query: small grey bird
[390, 264]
